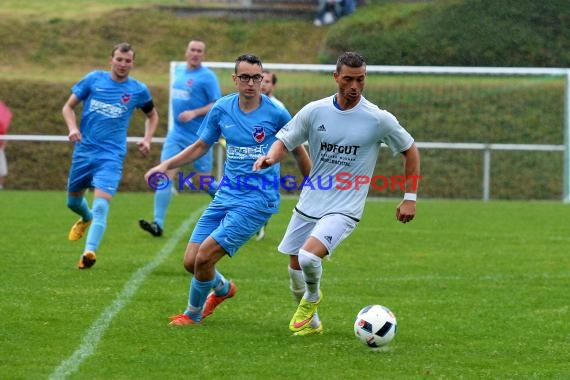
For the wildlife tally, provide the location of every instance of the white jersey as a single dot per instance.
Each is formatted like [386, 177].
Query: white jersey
[344, 147]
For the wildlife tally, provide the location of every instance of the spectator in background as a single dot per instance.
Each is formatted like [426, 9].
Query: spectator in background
[348, 7]
[5, 119]
[194, 90]
[268, 85]
[329, 11]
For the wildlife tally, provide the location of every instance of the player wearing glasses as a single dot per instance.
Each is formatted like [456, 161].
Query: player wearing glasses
[248, 121]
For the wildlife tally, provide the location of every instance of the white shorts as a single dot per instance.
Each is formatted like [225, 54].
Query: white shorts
[3, 164]
[330, 230]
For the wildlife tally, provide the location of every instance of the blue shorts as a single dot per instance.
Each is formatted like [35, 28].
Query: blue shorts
[230, 227]
[174, 144]
[88, 172]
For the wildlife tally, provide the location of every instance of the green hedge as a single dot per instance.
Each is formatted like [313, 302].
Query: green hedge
[44, 165]
[523, 33]
[485, 110]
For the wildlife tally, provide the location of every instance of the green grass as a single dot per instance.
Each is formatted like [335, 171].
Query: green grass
[480, 291]
[74, 9]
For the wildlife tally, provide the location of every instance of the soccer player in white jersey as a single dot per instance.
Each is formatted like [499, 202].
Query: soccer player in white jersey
[109, 99]
[245, 199]
[344, 133]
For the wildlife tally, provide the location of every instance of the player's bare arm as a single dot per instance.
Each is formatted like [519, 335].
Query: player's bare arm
[151, 124]
[406, 210]
[188, 155]
[191, 114]
[276, 153]
[70, 118]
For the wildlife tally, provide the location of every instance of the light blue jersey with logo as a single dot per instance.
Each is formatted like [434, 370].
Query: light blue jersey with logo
[107, 109]
[191, 89]
[248, 136]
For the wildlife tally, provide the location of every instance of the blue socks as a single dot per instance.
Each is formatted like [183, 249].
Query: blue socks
[198, 293]
[162, 199]
[79, 206]
[220, 285]
[98, 215]
[97, 229]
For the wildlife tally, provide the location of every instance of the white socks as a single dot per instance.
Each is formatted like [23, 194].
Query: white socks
[312, 271]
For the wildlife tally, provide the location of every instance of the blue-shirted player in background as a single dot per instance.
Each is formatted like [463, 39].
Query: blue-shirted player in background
[194, 90]
[109, 99]
[245, 199]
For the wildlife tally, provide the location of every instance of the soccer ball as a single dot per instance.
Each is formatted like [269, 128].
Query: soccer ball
[375, 325]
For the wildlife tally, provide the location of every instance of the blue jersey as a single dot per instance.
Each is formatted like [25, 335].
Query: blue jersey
[191, 89]
[248, 136]
[107, 109]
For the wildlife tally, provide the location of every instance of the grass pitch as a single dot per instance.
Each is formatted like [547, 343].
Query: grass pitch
[480, 290]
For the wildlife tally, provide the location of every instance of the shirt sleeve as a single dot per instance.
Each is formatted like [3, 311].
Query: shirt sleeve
[145, 96]
[82, 89]
[213, 91]
[296, 131]
[396, 137]
[210, 130]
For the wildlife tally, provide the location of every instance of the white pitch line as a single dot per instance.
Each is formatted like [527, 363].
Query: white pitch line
[94, 334]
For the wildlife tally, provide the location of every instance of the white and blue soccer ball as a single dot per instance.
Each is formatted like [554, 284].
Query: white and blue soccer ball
[375, 326]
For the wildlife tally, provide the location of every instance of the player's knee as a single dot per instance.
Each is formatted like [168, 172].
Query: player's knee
[188, 264]
[202, 262]
[308, 259]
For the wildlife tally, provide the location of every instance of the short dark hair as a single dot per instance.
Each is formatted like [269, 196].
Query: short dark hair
[350, 59]
[123, 47]
[249, 58]
[273, 76]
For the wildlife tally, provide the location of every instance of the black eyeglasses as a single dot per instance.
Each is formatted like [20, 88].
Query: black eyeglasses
[245, 78]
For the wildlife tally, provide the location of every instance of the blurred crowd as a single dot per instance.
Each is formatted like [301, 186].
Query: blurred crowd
[329, 11]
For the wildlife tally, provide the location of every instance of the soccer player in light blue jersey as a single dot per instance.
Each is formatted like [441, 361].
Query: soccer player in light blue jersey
[109, 99]
[344, 132]
[194, 90]
[245, 199]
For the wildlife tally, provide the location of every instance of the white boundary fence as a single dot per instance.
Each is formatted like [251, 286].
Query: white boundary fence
[445, 70]
[485, 148]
